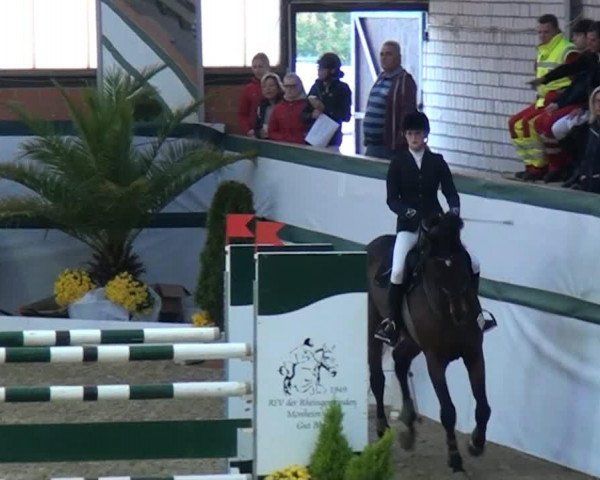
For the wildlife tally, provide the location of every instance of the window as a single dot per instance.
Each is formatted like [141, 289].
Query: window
[48, 34]
[233, 31]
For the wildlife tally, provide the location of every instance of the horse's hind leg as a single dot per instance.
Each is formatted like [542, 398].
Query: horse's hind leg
[476, 367]
[403, 356]
[377, 378]
[437, 373]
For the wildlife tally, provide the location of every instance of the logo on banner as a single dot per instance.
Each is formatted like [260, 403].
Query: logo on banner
[307, 369]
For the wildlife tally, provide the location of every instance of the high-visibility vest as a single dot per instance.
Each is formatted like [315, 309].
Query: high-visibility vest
[550, 56]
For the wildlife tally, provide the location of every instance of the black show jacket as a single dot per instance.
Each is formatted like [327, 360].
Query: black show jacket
[409, 187]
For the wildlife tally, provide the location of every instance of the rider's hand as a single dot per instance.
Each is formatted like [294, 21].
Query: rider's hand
[410, 213]
[455, 211]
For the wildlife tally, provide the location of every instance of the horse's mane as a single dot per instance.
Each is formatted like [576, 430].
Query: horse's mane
[442, 234]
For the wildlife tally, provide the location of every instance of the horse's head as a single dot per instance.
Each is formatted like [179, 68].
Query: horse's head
[447, 266]
[442, 232]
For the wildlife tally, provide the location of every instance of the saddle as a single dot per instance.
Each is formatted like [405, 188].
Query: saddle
[412, 268]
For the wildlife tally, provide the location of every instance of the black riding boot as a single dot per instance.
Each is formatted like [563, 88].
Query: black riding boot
[390, 329]
[484, 323]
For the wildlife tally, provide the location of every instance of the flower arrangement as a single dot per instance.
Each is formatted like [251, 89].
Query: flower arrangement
[290, 473]
[71, 285]
[202, 319]
[133, 295]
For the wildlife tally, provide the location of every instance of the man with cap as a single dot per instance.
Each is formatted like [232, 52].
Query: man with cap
[413, 179]
[329, 95]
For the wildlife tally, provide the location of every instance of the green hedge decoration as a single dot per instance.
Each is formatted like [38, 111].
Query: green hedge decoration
[231, 197]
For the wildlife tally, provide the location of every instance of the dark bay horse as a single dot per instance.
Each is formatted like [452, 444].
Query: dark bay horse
[443, 306]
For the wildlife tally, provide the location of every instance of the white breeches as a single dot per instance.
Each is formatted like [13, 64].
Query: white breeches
[404, 242]
[562, 127]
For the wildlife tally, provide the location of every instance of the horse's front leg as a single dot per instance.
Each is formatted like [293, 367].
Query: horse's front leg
[376, 376]
[437, 372]
[476, 367]
[403, 356]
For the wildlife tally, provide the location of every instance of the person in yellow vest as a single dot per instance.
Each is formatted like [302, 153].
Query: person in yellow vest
[553, 50]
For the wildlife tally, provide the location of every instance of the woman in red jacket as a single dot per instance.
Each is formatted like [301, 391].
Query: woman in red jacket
[252, 95]
[289, 121]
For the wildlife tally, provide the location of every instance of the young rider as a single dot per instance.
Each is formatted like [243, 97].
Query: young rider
[413, 179]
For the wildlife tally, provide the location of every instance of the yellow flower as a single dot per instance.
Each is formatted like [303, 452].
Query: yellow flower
[293, 472]
[130, 293]
[71, 285]
[201, 319]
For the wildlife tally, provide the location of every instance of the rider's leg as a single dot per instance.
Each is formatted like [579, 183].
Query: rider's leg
[390, 328]
[484, 323]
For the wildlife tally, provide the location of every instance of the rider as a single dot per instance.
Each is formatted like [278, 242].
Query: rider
[413, 178]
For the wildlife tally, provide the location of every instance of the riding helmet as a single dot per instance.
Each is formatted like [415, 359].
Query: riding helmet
[416, 121]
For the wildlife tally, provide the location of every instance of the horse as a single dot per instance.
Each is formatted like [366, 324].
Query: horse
[443, 305]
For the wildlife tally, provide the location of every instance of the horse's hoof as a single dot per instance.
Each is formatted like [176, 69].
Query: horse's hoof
[407, 439]
[474, 450]
[455, 462]
[382, 427]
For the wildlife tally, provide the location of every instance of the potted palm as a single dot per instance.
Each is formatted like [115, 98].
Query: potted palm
[97, 185]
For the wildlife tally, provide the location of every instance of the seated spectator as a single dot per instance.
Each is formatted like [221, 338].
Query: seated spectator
[572, 98]
[588, 174]
[272, 91]
[252, 95]
[553, 50]
[329, 95]
[288, 122]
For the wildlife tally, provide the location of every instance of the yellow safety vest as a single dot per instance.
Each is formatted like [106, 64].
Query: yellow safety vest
[550, 56]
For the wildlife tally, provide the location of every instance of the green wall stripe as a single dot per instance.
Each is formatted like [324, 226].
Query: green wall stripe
[289, 282]
[507, 190]
[542, 300]
[119, 441]
[158, 220]
[291, 233]
[165, 58]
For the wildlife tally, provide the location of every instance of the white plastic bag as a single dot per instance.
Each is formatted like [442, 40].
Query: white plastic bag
[153, 315]
[95, 306]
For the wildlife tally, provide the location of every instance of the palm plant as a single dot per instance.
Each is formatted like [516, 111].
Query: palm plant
[97, 185]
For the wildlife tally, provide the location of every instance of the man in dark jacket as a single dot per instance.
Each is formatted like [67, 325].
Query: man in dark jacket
[413, 179]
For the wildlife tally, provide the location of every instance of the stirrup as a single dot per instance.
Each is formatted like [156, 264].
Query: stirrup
[387, 332]
[484, 323]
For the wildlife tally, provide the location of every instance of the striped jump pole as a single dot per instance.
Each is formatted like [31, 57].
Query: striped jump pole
[91, 393]
[124, 353]
[38, 338]
[234, 476]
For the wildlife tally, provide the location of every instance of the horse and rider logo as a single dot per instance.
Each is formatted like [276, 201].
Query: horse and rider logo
[303, 369]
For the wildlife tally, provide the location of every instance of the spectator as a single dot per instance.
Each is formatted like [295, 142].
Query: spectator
[587, 176]
[392, 97]
[272, 91]
[252, 95]
[288, 122]
[330, 95]
[553, 50]
[588, 65]
[574, 97]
